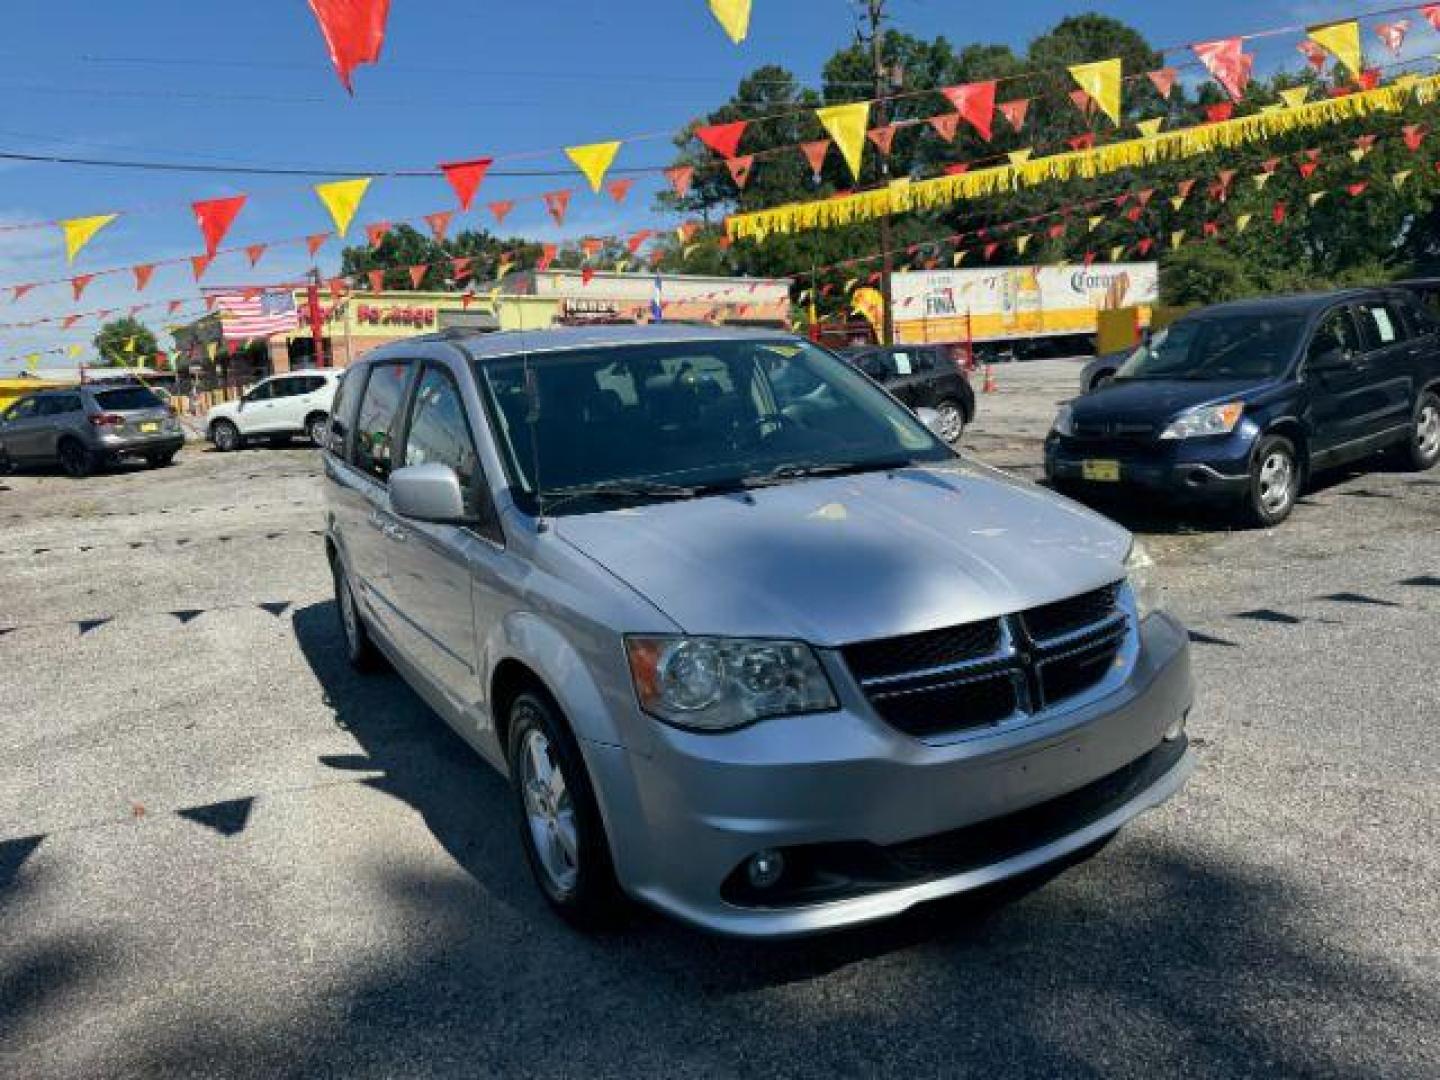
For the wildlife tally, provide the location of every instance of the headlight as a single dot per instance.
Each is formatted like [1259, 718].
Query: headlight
[1065, 421]
[1209, 420]
[1140, 571]
[714, 684]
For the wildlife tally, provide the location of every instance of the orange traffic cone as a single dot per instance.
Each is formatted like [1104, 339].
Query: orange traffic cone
[989, 387]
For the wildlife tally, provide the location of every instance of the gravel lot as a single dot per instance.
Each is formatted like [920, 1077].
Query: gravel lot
[223, 854]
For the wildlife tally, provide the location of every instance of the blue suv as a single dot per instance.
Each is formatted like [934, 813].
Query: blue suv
[1240, 403]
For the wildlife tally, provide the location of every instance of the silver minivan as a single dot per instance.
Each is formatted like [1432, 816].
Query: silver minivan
[750, 642]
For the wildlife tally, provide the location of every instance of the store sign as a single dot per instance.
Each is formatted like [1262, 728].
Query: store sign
[415, 318]
[591, 309]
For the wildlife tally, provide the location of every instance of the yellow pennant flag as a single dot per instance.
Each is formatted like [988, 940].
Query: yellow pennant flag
[846, 124]
[1316, 196]
[1358, 154]
[733, 16]
[1400, 177]
[81, 230]
[342, 199]
[32, 361]
[1342, 41]
[1261, 179]
[1022, 242]
[1095, 222]
[1243, 222]
[850, 284]
[211, 348]
[958, 258]
[593, 160]
[1117, 253]
[1178, 201]
[1150, 128]
[1177, 238]
[130, 344]
[1020, 157]
[1102, 81]
[76, 350]
[1295, 97]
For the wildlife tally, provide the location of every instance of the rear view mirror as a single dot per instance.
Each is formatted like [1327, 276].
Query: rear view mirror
[429, 492]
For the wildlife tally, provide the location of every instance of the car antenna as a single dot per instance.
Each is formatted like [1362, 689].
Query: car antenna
[532, 418]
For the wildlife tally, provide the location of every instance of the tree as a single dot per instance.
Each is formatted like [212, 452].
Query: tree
[405, 246]
[113, 338]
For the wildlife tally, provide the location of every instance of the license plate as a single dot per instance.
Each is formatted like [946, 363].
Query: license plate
[147, 428]
[1105, 472]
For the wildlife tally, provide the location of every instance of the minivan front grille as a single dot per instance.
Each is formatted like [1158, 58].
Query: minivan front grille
[979, 675]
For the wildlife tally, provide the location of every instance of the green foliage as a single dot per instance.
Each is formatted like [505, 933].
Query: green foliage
[112, 337]
[405, 246]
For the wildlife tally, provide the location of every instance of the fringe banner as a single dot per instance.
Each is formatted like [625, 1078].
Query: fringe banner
[906, 195]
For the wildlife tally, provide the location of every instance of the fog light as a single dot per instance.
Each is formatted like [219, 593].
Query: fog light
[765, 869]
[1177, 729]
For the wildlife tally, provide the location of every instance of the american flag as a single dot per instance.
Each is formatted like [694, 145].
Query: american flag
[258, 315]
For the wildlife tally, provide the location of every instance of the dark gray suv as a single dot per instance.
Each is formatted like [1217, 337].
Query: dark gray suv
[87, 427]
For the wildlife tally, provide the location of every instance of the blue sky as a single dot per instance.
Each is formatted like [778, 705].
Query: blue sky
[247, 82]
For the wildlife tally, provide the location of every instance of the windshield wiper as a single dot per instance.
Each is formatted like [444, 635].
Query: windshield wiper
[803, 470]
[619, 490]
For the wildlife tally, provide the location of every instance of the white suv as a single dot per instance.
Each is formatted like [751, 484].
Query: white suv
[281, 406]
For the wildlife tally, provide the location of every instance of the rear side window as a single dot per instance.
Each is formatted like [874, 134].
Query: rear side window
[439, 432]
[127, 398]
[1381, 325]
[59, 405]
[384, 390]
[925, 360]
[340, 413]
[23, 409]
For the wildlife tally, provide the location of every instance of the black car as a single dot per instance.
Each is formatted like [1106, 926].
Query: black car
[922, 376]
[1241, 402]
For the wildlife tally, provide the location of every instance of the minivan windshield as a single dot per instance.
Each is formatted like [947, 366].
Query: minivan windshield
[588, 428]
[1218, 347]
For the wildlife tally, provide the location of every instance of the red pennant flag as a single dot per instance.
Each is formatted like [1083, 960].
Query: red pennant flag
[1356, 190]
[686, 230]
[1271, 165]
[354, 32]
[174, 306]
[1145, 245]
[1369, 79]
[557, 203]
[960, 168]
[70, 320]
[251, 292]
[1314, 54]
[215, 216]
[338, 287]
[210, 302]
[619, 189]
[990, 251]
[142, 275]
[724, 139]
[1307, 168]
[975, 102]
[587, 275]
[591, 246]
[377, 280]
[1278, 214]
[501, 209]
[815, 154]
[883, 138]
[199, 264]
[547, 256]
[1057, 230]
[1393, 34]
[1164, 81]
[316, 242]
[1431, 13]
[740, 169]
[1083, 142]
[1089, 259]
[417, 275]
[77, 284]
[1082, 101]
[377, 232]
[460, 268]
[1210, 228]
[944, 125]
[465, 178]
[1145, 196]
[680, 178]
[1015, 112]
[1184, 188]
[255, 252]
[1121, 200]
[1228, 64]
[1219, 112]
[1134, 213]
[17, 291]
[439, 223]
[1365, 142]
[1414, 134]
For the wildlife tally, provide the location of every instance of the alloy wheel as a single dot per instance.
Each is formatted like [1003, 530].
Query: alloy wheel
[1277, 481]
[74, 459]
[318, 432]
[1427, 431]
[550, 813]
[952, 421]
[348, 618]
[226, 437]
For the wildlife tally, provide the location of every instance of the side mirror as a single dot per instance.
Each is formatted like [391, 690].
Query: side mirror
[931, 419]
[1334, 360]
[429, 492]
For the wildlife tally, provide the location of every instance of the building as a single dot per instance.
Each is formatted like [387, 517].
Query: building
[600, 296]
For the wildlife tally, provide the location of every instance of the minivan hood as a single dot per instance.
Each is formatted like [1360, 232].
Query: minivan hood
[1154, 401]
[846, 559]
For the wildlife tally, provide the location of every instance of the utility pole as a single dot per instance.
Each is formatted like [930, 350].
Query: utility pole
[875, 18]
[317, 323]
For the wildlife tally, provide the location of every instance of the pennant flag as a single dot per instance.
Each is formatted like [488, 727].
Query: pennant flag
[1393, 34]
[680, 178]
[142, 272]
[354, 31]
[338, 287]
[591, 246]
[1228, 64]
[1150, 128]
[174, 306]
[619, 189]
[376, 232]
[1102, 81]
[501, 209]
[1178, 202]
[958, 258]
[1163, 81]
[733, 16]
[1094, 222]
[557, 203]
[945, 125]
[1369, 79]
[1117, 253]
[1342, 41]
[17, 291]
[79, 283]
[439, 223]
[1307, 168]
[724, 139]
[1020, 157]
[975, 102]
[1085, 141]
[1210, 228]
[740, 169]
[815, 154]
[547, 256]
[417, 275]
[1021, 243]
[846, 124]
[1219, 112]
[1431, 13]
[199, 264]
[1243, 222]
[215, 216]
[685, 230]
[342, 198]
[70, 320]
[1314, 55]
[255, 252]
[594, 161]
[211, 348]
[637, 240]
[315, 242]
[883, 138]
[460, 267]
[1358, 189]
[130, 344]
[1083, 102]
[1295, 97]
[80, 231]
[1414, 133]
[1400, 177]
[1316, 196]
[1177, 238]
[1014, 112]
[465, 177]
[76, 350]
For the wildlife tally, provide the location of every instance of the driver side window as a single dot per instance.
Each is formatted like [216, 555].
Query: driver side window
[1335, 339]
[264, 392]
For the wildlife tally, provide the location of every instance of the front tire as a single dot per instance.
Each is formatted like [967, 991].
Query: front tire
[560, 825]
[360, 649]
[76, 458]
[317, 428]
[951, 425]
[225, 436]
[1423, 450]
[1274, 482]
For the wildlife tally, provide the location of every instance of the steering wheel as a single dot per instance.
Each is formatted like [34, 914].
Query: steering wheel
[779, 420]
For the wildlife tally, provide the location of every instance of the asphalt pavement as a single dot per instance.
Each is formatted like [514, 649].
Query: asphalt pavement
[224, 854]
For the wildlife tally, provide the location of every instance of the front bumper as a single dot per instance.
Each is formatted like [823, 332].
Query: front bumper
[1198, 469]
[684, 818]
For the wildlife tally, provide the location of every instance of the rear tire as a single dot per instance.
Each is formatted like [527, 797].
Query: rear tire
[360, 650]
[75, 458]
[560, 826]
[317, 428]
[1274, 482]
[1423, 449]
[226, 436]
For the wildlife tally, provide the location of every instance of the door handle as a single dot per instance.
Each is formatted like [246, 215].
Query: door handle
[396, 533]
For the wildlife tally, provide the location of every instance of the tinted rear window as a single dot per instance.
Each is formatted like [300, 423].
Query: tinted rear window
[126, 398]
